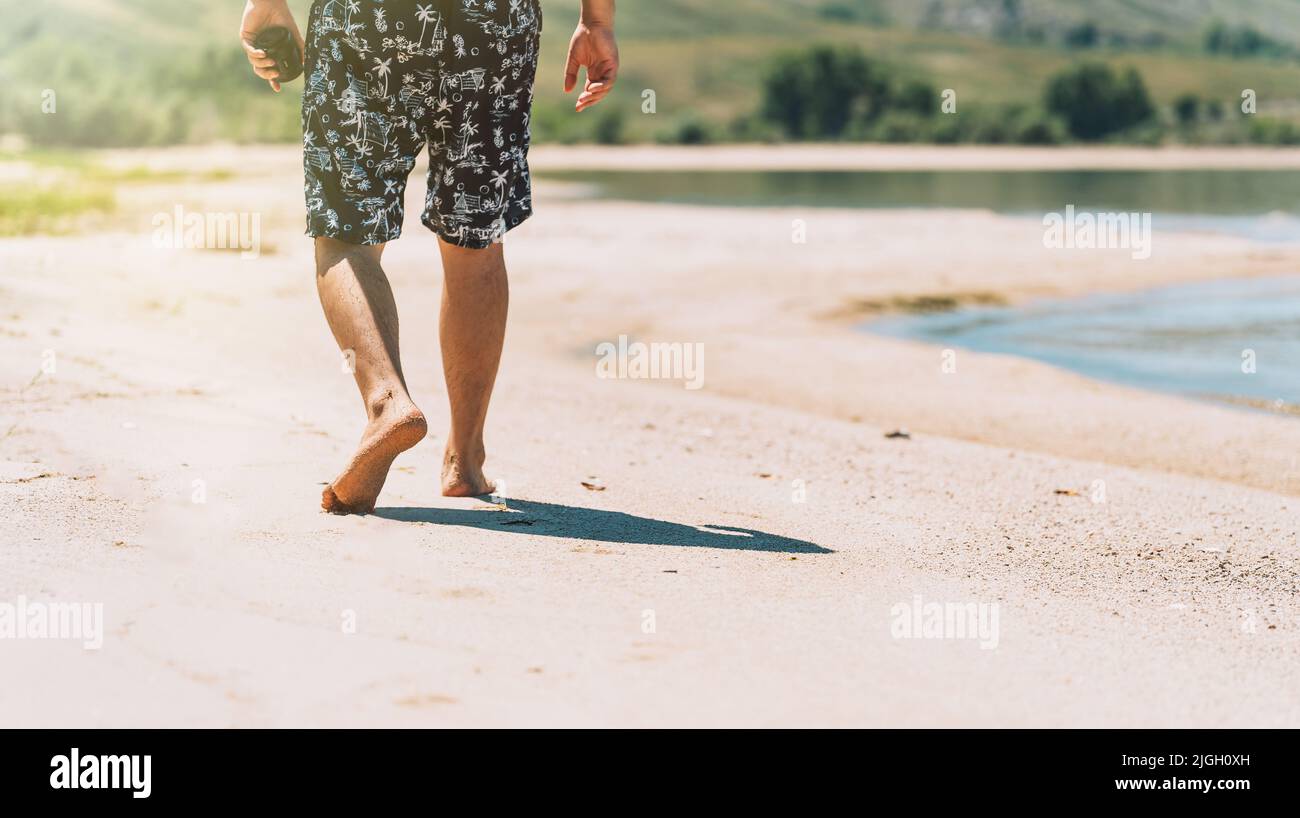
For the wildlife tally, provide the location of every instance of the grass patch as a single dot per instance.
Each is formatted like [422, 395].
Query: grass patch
[67, 189]
[26, 211]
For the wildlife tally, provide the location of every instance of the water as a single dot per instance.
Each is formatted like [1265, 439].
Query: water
[1187, 339]
[1262, 205]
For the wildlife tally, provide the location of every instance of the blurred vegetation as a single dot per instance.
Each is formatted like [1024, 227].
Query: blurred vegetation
[153, 72]
[1095, 102]
[27, 211]
[1243, 41]
[827, 93]
[60, 191]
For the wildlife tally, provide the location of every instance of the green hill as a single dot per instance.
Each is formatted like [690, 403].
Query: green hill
[162, 71]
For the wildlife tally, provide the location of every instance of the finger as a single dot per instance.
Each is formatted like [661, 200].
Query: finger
[588, 97]
[595, 93]
[275, 86]
[251, 50]
[570, 74]
[267, 74]
[265, 62]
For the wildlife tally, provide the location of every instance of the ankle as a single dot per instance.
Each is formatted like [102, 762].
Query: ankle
[466, 453]
[388, 402]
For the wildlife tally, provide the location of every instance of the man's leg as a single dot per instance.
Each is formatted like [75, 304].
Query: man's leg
[359, 306]
[472, 328]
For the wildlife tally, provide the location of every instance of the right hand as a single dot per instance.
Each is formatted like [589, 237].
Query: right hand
[593, 45]
[260, 15]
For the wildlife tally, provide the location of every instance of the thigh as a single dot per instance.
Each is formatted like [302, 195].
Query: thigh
[479, 185]
[359, 140]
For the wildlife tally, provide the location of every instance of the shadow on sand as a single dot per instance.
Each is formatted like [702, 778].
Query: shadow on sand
[550, 520]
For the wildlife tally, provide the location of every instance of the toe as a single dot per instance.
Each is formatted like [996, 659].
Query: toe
[331, 502]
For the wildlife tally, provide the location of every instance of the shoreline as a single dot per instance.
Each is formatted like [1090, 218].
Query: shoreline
[909, 320]
[790, 157]
[874, 157]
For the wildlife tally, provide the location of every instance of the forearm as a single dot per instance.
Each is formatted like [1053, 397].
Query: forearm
[597, 12]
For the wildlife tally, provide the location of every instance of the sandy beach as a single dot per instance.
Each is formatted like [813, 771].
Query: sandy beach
[662, 556]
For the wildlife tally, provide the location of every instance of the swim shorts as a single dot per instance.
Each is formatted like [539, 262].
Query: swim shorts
[385, 78]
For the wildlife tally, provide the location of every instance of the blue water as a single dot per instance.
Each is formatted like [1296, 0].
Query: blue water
[1187, 339]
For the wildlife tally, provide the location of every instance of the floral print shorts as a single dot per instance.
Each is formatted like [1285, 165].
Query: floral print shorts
[385, 78]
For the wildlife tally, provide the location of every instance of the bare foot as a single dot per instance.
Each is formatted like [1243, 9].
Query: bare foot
[397, 428]
[462, 475]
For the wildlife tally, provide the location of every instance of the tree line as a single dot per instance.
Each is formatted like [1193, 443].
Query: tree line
[835, 93]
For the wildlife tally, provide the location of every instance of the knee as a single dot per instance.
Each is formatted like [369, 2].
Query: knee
[460, 261]
[330, 253]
